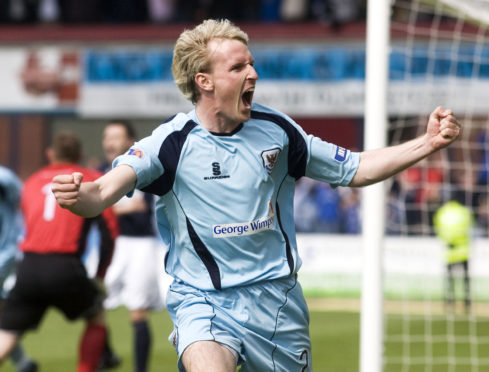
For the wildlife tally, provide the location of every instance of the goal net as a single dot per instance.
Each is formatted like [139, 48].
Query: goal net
[439, 56]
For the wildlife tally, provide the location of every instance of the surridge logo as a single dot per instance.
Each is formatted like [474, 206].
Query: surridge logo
[216, 172]
[269, 158]
[216, 169]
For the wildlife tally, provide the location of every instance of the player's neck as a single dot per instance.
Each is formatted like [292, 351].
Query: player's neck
[213, 121]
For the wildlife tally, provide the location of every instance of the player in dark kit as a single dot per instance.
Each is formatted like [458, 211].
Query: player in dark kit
[51, 273]
[133, 276]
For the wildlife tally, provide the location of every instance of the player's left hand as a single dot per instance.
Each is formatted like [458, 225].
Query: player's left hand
[443, 128]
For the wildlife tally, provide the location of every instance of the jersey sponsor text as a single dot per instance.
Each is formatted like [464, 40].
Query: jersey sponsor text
[243, 228]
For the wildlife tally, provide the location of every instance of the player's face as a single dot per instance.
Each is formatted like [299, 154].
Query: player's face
[233, 77]
[115, 141]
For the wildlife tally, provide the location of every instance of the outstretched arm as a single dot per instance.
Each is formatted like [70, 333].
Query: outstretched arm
[89, 199]
[378, 165]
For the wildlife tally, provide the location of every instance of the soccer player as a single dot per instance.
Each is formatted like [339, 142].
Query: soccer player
[51, 272]
[225, 174]
[11, 230]
[132, 276]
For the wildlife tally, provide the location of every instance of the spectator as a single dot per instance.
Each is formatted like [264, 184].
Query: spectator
[328, 202]
[336, 12]
[293, 10]
[482, 175]
[161, 11]
[270, 10]
[23, 11]
[349, 211]
[306, 214]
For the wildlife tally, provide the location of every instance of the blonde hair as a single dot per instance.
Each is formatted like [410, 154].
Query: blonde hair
[191, 56]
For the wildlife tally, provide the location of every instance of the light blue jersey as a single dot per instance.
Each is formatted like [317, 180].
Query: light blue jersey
[11, 226]
[226, 200]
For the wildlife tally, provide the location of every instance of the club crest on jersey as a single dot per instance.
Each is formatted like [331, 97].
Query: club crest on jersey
[136, 152]
[340, 154]
[269, 158]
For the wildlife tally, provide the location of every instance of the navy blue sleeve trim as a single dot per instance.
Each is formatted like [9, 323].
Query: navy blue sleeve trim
[169, 156]
[205, 256]
[297, 156]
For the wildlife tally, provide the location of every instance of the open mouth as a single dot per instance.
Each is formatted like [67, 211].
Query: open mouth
[247, 97]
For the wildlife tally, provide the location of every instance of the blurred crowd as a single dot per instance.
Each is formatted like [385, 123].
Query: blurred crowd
[334, 12]
[319, 208]
[461, 174]
[414, 195]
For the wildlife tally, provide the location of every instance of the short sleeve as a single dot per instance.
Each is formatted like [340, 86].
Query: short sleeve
[143, 158]
[331, 163]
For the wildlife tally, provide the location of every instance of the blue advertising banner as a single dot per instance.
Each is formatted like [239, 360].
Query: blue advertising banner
[311, 80]
[332, 64]
[308, 80]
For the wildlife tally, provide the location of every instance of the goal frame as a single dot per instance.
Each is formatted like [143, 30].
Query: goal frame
[376, 84]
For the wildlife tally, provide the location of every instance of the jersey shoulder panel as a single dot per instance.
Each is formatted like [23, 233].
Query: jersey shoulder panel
[271, 111]
[298, 145]
[155, 158]
[174, 124]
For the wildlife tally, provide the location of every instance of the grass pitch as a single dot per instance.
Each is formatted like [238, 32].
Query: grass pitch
[334, 334]
[54, 345]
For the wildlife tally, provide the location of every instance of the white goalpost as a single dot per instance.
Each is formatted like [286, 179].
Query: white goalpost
[371, 318]
[422, 54]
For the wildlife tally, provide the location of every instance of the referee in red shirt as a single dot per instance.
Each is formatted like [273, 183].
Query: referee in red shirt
[51, 273]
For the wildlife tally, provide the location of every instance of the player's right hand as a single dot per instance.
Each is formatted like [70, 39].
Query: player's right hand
[66, 188]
